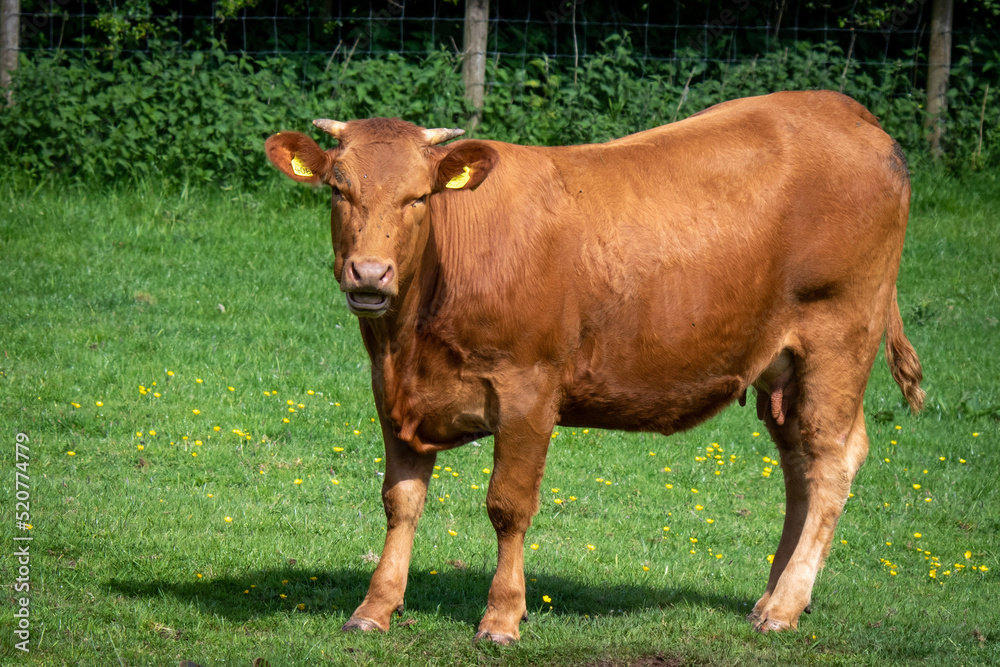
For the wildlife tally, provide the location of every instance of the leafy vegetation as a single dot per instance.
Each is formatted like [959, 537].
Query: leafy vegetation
[190, 117]
[205, 472]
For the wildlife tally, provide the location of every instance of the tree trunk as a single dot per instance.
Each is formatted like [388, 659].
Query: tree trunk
[474, 63]
[10, 30]
[938, 69]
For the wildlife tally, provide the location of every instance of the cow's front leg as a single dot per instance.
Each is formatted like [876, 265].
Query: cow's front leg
[518, 463]
[404, 491]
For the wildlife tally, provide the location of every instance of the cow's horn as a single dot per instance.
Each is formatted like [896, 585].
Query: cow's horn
[440, 135]
[331, 127]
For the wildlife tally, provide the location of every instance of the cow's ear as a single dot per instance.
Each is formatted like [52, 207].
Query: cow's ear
[465, 166]
[298, 157]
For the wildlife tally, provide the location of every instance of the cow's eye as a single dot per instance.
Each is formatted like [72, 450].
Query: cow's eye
[419, 201]
[338, 196]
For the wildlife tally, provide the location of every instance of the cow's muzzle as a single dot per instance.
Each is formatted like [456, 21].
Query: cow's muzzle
[369, 284]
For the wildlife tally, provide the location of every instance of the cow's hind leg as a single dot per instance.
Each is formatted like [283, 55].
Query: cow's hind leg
[404, 490]
[820, 434]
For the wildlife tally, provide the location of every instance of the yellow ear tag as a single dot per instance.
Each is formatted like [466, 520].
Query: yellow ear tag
[299, 168]
[460, 180]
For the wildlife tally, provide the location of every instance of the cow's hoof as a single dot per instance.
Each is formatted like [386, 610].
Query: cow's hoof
[765, 625]
[495, 637]
[363, 625]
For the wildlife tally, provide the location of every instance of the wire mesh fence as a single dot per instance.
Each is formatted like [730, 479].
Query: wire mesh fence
[716, 31]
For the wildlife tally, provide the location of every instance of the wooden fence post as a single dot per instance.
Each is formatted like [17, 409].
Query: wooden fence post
[938, 69]
[10, 30]
[474, 60]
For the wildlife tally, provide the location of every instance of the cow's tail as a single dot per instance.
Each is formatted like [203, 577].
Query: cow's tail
[903, 362]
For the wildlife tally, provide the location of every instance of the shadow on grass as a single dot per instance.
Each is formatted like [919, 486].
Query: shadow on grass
[457, 593]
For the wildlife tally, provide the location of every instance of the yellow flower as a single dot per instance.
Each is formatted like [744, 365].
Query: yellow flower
[694, 490]
[983, 568]
[586, 431]
[699, 507]
[230, 389]
[198, 442]
[75, 405]
[941, 458]
[709, 520]
[229, 519]
[334, 481]
[694, 540]
[194, 453]
[298, 481]
[283, 596]
[301, 606]
[170, 374]
[216, 429]
[666, 529]
[357, 432]
[916, 486]
[198, 380]
[312, 578]
[70, 453]
[301, 406]
[338, 449]
[152, 433]
[917, 535]
[452, 533]
[286, 420]
[887, 460]
[572, 498]
[198, 574]
[434, 571]
[139, 447]
[555, 490]
[99, 404]
[968, 555]
[591, 547]
[291, 409]
[652, 453]
[975, 435]
[961, 460]
[770, 558]
[645, 568]
[755, 434]
[892, 442]
[246, 592]
[534, 547]
[474, 486]
[546, 598]
[310, 392]
[558, 501]
[486, 471]
[196, 411]
[138, 434]
[378, 459]
[843, 541]
[337, 404]
[898, 427]
[669, 486]
[718, 555]
[209, 495]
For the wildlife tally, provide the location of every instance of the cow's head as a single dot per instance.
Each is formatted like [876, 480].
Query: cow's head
[382, 174]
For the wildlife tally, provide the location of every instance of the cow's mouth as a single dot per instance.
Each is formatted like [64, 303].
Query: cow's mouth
[368, 304]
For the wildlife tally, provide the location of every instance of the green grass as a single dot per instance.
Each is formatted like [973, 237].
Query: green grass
[107, 292]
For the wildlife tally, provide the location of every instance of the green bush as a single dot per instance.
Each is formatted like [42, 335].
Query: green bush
[198, 117]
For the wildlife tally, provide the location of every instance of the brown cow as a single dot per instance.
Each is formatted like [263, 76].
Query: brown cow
[640, 284]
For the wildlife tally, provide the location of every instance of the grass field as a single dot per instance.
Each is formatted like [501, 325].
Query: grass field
[205, 470]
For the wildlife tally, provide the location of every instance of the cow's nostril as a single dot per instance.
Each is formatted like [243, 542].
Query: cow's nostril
[387, 276]
[354, 272]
